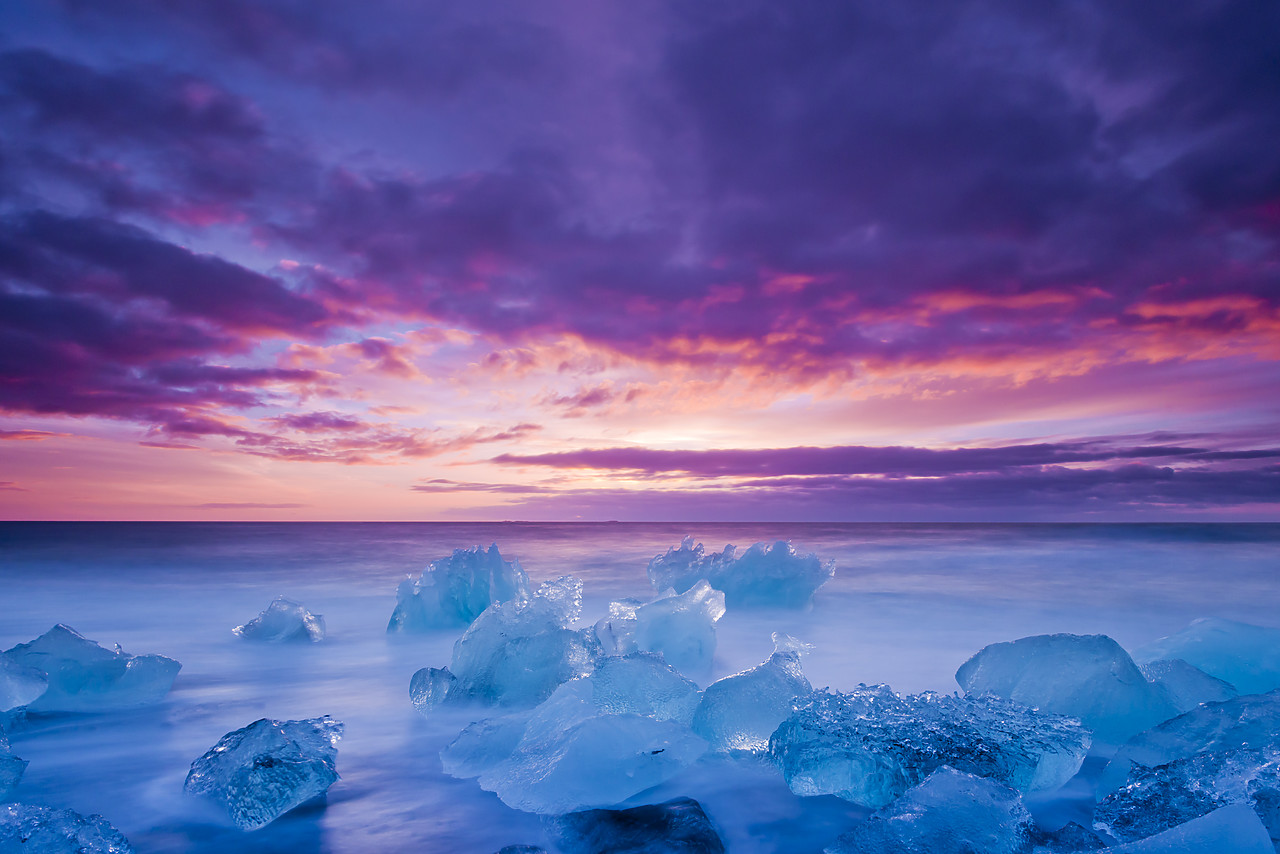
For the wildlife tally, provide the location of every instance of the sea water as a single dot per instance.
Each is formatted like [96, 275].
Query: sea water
[907, 606]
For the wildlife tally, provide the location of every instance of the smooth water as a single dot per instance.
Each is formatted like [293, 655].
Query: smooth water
[908, 605]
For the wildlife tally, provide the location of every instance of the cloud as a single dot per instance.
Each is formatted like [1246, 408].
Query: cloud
[246, 505]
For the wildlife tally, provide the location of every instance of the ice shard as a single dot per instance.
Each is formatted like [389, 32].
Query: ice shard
[84, 677]
[740, 712]
[949, 812]
[283, 621]
[261, 771]
[1089, 677]
[517, 652]
[453, 591]
[870, 745]
[764, 576]
[30, 829]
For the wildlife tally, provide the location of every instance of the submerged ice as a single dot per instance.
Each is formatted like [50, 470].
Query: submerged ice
[678, 826]
[1246, 656]
[1229, 830]
[453, 591]
[43, 830]
[765, 575]
[870, 745]
[283, 621]
[84, 677]
[1089, 677]
[267, 768]
[948, 813]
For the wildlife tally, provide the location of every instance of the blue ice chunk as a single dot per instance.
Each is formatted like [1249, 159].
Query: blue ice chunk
[1229, 830]
[764, 576]
[1251, 722]
[1185, 685]
[429, 687]
[84, 677]
[263, 770]
[19, 685]
[569, 755]
[1089, 677]
[31, 829]
[678, 826]
[11, 768]
[1156, 799]
[643, 684]
[1071, 838]
[617, 632]
[682, 627]
[283, 621]
[870, 745]
[1247, 656]
[453, 591]
[740, 712]
[518, 651]
[948, 813]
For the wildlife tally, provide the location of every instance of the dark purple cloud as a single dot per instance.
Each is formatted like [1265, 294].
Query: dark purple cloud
[893, 461]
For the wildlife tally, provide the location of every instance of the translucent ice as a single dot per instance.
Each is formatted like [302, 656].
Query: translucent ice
[617, 632]
[1186, 686]
[1157, 799]
[429, 687]
[567, 755]
[1251, 722]
[682, 627]
[771, 576]
[84, 677]
[518, 651]
[283, 622]
[264, 770]
[43, 830]
[643, 684]
[949, 813]
[11, 768]
[19, 685]
[1246, 656]
[1089, 677]
[871, 745]
[740, 712]
[453, 591]
[679, 826]
[1230, 830]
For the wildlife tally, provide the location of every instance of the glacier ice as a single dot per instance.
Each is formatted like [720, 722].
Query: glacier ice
[11, 768]
[764, 576]
[1156, 799]
[1071, 838]
[517, 652]
[643, 683]
[1186, 685]
[453, 591]
[19, 685]
[573, 751]
[682, 627]
[84, 677]
[740, 712]
[1089, 677]
[43, 830]
[267, 768]
[1251, 722]
[429, 687]
[1247, 656]
[948, 813]
[1229, 830]
[678, 826]
[616, 633]
[870, 745]
[283, 621]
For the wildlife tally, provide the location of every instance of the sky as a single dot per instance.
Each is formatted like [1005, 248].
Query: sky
[593, 260]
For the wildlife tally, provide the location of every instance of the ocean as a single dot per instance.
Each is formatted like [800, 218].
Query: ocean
[908, 605]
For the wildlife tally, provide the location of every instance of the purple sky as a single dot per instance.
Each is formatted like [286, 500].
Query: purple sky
[724, 260]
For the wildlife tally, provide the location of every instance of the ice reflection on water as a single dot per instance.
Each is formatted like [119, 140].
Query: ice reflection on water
[908, 605]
